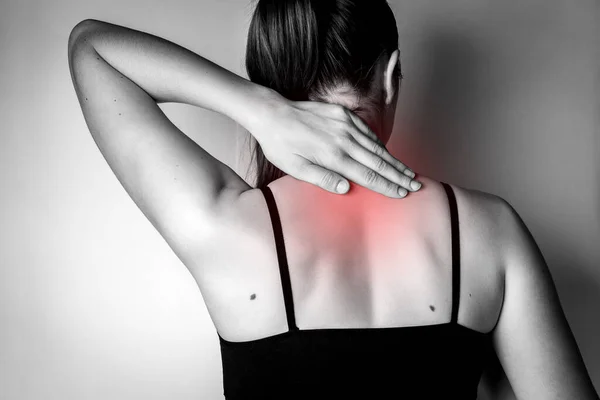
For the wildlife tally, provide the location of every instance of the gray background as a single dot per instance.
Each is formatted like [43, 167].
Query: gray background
[500, 96]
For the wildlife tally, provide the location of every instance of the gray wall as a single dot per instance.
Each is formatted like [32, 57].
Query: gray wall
[498, 96]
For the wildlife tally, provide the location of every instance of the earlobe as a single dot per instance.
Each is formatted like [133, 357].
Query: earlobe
[389, 75]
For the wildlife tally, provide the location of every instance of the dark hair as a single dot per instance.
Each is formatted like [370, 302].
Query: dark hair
[302, 48]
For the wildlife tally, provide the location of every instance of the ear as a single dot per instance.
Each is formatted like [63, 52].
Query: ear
[388, 84]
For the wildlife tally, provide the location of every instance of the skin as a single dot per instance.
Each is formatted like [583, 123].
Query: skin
[345, 272]
[384, 90]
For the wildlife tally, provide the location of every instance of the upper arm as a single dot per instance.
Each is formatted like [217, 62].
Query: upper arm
[532, 338]
[178, 186]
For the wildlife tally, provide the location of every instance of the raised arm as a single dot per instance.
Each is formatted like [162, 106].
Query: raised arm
[327, 135]
[532, 338]
[120, 75]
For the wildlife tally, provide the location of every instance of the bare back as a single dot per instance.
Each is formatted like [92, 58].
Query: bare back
[356, 261]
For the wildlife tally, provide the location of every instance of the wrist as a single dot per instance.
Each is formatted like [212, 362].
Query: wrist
[264, 102]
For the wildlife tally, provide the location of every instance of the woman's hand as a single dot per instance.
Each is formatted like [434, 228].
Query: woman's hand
[324, 143]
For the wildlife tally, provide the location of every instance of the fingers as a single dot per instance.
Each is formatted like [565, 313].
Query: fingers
[375, 141]
[360, 156]
[380, 166]
[396, 170]
[324, 178]
[369, 178]
[363, 127]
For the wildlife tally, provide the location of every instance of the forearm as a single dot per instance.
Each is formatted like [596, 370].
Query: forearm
[171, 73]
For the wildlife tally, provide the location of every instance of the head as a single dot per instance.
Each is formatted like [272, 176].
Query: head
[334, 51]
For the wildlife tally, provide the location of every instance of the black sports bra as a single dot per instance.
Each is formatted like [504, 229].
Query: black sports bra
[439, 361]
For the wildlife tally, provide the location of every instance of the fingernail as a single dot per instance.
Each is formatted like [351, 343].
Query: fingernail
[409, 173]
[414, 185]
[342, 187]
[402, 192]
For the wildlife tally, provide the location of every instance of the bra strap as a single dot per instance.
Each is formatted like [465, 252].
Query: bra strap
[281, 258]
[455, 252]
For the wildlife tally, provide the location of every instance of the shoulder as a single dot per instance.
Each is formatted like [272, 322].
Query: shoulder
[498, 220]
[476, 208]
[486, 222]
[481, 232]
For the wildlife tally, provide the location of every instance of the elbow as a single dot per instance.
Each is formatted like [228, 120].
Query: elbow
[79, 30]
[75, 44]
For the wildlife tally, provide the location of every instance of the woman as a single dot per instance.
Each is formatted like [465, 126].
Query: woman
[313, 294]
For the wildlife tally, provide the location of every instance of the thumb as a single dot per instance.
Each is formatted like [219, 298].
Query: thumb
[324, 178]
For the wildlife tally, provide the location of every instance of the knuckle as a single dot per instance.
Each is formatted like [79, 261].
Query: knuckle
[370, 176]
[345, 141]
[369, 133]
[328, 181]
[352, 146]
[398, 164]
[378, 150]
[344, 115]
[405, 180]
[391, 188]
[380, 164]
[299, 163]
[338, 110]
[336, 153]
